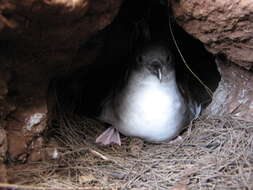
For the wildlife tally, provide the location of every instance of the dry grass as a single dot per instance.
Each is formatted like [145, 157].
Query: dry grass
[214, 153]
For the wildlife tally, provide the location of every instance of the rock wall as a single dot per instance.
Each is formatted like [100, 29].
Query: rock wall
[40, 39]
[226, 28]
[234, 94]
[54, 28]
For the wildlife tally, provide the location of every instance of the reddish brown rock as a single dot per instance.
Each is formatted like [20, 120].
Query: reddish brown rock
[54, 28]
[224, 26]
[17, 145]
[44, 36]
[36, 152]
[5, 109]
[5, 106]
[234, 94]
[3, 173]
[27, 123]
[41, 151]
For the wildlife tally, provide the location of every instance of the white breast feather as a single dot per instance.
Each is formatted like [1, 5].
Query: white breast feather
[150, 110]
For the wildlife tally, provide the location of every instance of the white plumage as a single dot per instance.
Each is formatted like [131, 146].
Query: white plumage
[150, 106]
[150, 109]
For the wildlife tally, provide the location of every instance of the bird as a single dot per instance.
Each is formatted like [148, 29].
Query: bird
[151, 104]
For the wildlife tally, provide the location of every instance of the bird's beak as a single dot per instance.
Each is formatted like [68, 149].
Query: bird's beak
[156, 69]
[159, 74]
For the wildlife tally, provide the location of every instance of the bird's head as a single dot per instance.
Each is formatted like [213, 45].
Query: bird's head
[156, 59]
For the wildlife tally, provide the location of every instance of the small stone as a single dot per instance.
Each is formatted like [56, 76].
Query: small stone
[52, 153]
[86, 179]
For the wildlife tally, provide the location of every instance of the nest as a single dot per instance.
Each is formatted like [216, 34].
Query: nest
[213, 153]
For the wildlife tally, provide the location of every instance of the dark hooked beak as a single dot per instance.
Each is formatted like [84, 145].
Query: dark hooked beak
[159, 75]
[156, 67]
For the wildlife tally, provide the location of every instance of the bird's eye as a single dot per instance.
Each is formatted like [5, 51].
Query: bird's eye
[139, 59]
[168, 59]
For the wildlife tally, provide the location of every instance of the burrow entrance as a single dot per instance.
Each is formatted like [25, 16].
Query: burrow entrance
[74, 100]
[82, 91]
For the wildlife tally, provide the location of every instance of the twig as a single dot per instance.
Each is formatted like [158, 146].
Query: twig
[99, 154]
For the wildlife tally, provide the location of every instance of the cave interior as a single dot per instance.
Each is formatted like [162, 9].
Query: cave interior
[83, 91]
